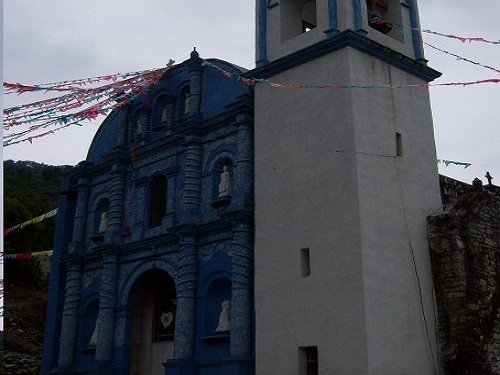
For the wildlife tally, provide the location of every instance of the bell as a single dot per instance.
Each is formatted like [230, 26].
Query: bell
[376, 21]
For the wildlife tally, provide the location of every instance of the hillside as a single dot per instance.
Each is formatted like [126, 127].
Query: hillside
[30, 189]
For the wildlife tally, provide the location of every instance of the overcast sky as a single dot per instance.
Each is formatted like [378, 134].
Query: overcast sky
[54, 40]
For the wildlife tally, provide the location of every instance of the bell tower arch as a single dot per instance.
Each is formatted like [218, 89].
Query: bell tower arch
[344, 181]
[285, 26]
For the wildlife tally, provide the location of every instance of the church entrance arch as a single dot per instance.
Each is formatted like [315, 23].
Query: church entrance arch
[153, 322]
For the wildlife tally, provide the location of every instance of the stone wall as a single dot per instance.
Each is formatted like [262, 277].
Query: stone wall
[465, 251]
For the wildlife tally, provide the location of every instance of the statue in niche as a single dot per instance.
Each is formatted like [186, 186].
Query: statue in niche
[93, 338]
[188, 103]
[103, 224]
[224, 317]
[225, 182]
[164, 114]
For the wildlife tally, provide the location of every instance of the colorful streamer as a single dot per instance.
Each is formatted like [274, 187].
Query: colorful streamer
[459, 163]
[78, 105]
[28, 255]
[35, 220]
[253, 81]
[463, 39]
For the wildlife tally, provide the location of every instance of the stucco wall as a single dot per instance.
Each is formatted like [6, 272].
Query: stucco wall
[327, 178]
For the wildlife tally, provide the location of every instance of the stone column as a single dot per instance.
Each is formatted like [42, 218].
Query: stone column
[69, 322]
[241, 306]
[115, 216]
[107, 301]
[195, 84]
[80, 218]
[243, 171]
[192, 179]
[186, 298]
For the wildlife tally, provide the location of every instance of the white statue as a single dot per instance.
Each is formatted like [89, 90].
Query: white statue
[224, 317]
[164, 115]
[93, 339]
[188, 103]
[103, 225]
[225, 182]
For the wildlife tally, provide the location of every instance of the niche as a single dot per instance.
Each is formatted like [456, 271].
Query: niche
[297, 17]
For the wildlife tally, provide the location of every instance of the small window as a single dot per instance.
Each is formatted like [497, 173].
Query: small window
[157, 201]
[305, 262]
[308, 360]
[399, 144]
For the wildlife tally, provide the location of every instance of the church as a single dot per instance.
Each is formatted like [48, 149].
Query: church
[224, 228]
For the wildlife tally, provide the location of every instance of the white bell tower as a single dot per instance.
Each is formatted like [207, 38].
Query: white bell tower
[344, 181]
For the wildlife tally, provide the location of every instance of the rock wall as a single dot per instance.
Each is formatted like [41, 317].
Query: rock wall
[465, 251]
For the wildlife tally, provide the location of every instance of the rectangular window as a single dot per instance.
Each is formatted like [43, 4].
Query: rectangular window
[399, 144]
[305, 262]
[308, 360]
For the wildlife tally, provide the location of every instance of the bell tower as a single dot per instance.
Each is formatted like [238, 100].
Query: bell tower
[344, 181]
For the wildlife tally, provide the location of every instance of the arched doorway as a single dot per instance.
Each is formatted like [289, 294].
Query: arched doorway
[153, 323]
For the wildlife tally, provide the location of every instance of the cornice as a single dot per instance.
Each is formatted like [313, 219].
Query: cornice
[344, 39]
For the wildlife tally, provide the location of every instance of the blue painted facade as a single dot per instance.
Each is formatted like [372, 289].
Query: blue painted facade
[143, 293]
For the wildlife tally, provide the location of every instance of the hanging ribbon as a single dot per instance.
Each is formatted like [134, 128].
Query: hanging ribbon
[459, 163]
[35, 220]
[29, 255]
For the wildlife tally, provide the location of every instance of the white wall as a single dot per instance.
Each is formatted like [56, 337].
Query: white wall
[319, 184]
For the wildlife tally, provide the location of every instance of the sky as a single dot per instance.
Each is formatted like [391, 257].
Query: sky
[55, 40]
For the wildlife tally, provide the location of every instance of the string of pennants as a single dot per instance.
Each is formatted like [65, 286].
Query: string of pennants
[89, 102]
[35, 220]
[53, 212]
[253, 81]
[80, 102]
[29, 255]
[458, 163]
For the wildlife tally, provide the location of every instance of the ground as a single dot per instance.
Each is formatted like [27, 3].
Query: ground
[24, 329]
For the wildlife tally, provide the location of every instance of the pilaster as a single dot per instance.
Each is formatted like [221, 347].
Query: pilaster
[69, 322]
[241, 291]
[243, 173]
[115, 218]
[80, 215]
[192, 179]
[107, 301]
[186, 298]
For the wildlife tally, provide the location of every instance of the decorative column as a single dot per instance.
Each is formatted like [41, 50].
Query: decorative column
[195, 84]
[418, 45]
[261, 10]
[69, 323]
[358, 15]
[107, 302]
[243, 173]
[186, 298]
[241, 306]
[80, 215]
[192, 179]
[115, 217]
[333, 28]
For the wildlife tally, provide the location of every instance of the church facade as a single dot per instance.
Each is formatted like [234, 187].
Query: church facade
[155, 236]
[220, 228]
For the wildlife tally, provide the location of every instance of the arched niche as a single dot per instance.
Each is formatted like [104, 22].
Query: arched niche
[157, 200]
[153, 311]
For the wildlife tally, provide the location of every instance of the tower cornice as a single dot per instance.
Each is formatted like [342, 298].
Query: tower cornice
[347, 38]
